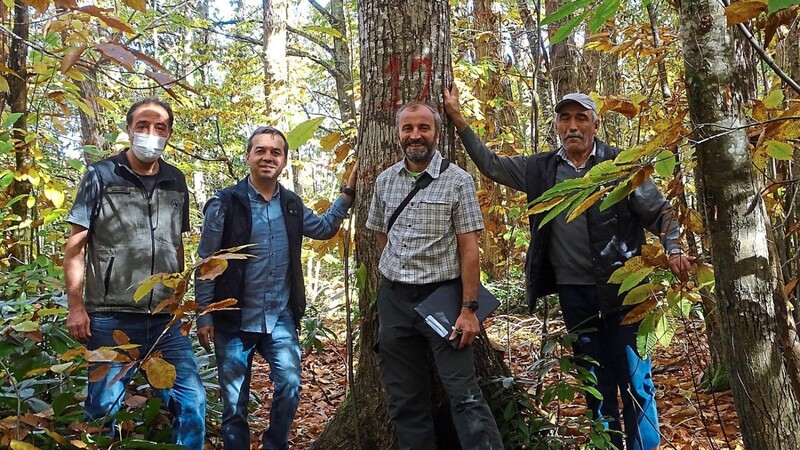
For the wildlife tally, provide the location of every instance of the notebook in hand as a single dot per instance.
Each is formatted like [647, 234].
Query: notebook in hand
[443, 306]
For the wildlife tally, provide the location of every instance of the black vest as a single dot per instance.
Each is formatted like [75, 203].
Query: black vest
[615, 234]
[236, 232]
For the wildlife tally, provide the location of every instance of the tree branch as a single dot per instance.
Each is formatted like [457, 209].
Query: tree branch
[326, 65]
[311, 38]
[767, 59]
[333, 20]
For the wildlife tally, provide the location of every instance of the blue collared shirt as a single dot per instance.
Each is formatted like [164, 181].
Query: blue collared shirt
[266, 289]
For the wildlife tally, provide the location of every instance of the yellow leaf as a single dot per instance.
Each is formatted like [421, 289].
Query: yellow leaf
[653, 255]
[102, 354]
[146, 286]
[694, 222]
[341, 152]
[56, 437]
[19, 445]
[544, 206]
[3, 84]
[640, 294]
[55, 196]
[60, 368]
[329, 141]
[220, 305]
[742, 11]
[39, 67]
[31, 202]
[105, 103]
[160, 373]
[591, 200]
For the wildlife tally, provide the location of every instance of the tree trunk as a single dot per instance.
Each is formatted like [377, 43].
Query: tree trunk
[18, 102]
[92, 132]
[405, 55]
[499, 121]
[766, 403]
[343, 63]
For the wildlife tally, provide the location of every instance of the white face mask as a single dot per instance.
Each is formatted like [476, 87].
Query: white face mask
[148, 147]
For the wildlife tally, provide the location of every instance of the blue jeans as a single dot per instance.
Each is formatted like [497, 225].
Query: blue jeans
[281, 349]
[620, 369]
[186, 400]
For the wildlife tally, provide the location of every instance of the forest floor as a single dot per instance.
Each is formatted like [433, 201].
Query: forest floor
[690, 419]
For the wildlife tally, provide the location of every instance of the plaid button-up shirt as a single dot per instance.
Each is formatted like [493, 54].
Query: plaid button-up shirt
[422, 246]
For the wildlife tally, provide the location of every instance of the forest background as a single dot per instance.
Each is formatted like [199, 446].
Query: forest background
[701, 94]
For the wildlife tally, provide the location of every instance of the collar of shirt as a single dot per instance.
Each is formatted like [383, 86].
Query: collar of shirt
[563, 154]
[254, 194]
[433, 167]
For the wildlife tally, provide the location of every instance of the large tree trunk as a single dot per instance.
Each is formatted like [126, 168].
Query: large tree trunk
[405, 55]
[92, 132]
[18, 102]
[767, 404]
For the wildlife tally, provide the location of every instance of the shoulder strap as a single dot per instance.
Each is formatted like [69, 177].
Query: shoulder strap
[422, 182]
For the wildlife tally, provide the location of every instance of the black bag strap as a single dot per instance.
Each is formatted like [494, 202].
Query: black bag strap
[422, 182]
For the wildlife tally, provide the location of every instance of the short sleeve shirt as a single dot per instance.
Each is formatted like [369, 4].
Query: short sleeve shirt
[422, 246]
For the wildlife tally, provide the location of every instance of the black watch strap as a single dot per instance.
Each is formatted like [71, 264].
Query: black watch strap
[348, 191]
[471, 305]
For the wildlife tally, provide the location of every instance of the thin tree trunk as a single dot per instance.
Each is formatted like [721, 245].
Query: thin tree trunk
[92, 133]
[500, 121]
[767, 404]
[18, 102]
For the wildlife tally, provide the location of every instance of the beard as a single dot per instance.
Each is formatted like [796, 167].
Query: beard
[418, 155]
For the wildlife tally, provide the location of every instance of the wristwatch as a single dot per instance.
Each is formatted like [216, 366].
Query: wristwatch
[348, 191]
[471, 305]
[676, 251]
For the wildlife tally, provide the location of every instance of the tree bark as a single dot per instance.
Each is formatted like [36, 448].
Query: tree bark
[499, 121]
[18, 103]
[761, 382]
[405, 55]
[92, 132]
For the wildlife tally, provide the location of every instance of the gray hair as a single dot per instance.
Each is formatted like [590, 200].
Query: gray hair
[412, 105]
[594, 116]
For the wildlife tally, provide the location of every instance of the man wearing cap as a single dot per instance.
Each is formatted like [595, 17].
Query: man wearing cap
[576, 259]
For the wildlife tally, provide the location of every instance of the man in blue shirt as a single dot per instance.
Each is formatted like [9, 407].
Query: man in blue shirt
[268, 288]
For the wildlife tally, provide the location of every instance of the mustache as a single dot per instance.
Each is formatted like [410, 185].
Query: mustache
[574, 134]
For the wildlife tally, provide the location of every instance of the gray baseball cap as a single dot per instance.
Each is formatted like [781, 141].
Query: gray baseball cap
[581, 99]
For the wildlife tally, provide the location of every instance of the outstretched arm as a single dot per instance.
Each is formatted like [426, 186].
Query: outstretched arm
[506, 170]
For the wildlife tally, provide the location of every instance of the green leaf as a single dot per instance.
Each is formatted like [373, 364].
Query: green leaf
[705, 276]
[665, 330]
[327, 30]
[605, 11]
[646, 337]
[665, 163]
[640, 293]
[635, 278]
[10, 120]
[779, 150]
[6, 179]
[564, 186]
[361, 277]
[617, 195]
[564, 11]
[76, 164]
[561, 207]
[565, 30]
[300, 134]
[773, 99]
[777, 5]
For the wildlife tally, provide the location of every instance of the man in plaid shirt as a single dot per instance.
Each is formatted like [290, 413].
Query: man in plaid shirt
[433, 241]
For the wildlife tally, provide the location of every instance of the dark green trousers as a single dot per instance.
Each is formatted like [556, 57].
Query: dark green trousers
[405, 341]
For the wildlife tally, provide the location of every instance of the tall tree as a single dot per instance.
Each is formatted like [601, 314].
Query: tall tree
[17, 100]
[501, 127]
[762, 373]
[393, 71]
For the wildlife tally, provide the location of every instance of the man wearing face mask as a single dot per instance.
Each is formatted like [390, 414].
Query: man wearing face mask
[127, 220]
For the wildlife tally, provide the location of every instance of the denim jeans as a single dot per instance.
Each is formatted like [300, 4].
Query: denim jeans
[405, 343]
[620, 369]
[186, 400]
[281, 349]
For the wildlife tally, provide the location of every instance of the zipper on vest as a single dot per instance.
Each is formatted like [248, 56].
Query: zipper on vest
[152, 244]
